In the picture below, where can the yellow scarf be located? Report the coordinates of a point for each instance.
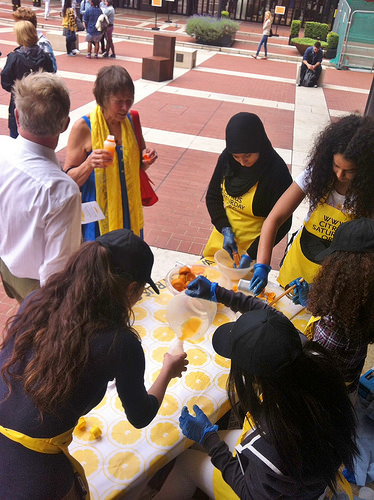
(50, 446)
(107, 180)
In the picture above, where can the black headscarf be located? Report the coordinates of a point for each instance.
(245, 133)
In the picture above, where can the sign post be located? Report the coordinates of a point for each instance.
(156, 4)
(168, 19)
(279, 11)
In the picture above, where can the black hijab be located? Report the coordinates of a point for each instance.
(245, 133)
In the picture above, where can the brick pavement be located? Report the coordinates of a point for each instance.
(197, 102)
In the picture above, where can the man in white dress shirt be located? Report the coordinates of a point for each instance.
(40, 206)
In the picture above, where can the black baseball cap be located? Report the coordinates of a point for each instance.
(261, 342)
(353, 236)
(130, 255)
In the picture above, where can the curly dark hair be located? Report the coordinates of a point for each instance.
(353, 137)
(344, 291)
(58, 322)
(305, 412)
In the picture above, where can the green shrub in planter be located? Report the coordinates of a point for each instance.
(318, 31)
(208, 29)
(332, 40)
(303, 43)
(295, 28)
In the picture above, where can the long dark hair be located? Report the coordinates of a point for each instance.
(344, 291)
(305, 413)
(353, 137)
(52, 333)
(67, 5)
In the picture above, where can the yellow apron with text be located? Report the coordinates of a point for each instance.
(50, 446)
(222, 491)
(245, 226)
(322, 223)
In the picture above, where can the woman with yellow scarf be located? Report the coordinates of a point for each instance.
(113, 183)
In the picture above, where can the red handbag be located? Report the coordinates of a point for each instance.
(149, 197)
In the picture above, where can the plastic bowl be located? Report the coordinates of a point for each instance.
(182, 309)
(225, 263)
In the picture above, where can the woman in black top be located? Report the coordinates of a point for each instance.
(68, 340)
(248, 179)
(26, 58)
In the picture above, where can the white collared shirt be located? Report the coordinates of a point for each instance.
(40, 210)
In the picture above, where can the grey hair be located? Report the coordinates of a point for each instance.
(43, 103)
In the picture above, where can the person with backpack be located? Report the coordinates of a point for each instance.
(25, 59)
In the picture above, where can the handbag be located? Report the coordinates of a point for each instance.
(308, 80)
(80, 25)
(271, 32)
(149, 197)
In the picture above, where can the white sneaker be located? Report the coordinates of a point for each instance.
(75, 51)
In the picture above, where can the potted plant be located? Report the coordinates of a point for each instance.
(212, 31)
(303, 43)
(332, 45)
(294, 31)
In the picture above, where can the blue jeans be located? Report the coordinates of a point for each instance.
(264, 42)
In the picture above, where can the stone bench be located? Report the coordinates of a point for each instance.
(58, 41)
(320, 80)
(185, 58)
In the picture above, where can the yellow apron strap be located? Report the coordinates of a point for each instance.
(309, 329)
(343, 485)
(50, 446)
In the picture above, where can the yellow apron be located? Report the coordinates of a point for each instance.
(50, 446)
(322, 223)
(245, 225)
(309, 329)
(222, 490)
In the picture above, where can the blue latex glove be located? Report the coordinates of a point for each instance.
(300, 292)
(245, 261)
(229, 241)
(202, 288)
(260, 278)
(195, 428)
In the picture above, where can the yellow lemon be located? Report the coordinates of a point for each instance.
(140, 313)
(169, 406)
(141, 330)
(197, 380)
(203, 402)
(164, 434)
(224, 362)
(101, 404)
(190, 327)
(221, 381)
(123, 465)
(118, 405)
(163, 334)
(88, 459)
(125, 433)
(172, 382)
(160, 315)
(220, 319)
(163, 299)
(158, 353)
(196, 357)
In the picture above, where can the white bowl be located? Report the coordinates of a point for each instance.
(225, 263)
